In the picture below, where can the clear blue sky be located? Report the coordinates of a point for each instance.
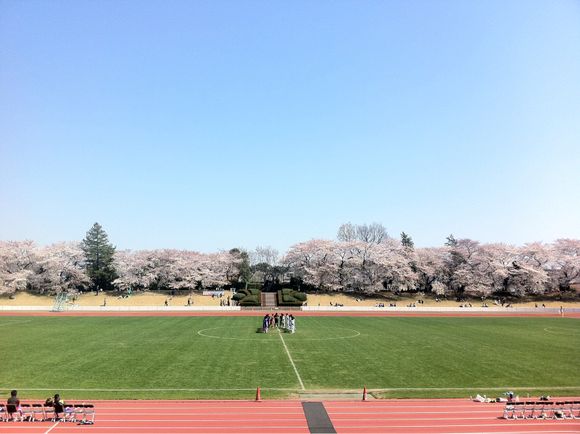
(206, 125)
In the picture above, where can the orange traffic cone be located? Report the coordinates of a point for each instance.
(258, 397)
(365, 393)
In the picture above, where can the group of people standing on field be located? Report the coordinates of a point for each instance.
(283, 321)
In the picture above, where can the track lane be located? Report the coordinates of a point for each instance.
(452, 416)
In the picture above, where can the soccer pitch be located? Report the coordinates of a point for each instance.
(226, 356)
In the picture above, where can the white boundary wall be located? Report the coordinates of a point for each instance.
(466, 310)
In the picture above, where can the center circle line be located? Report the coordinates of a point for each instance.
(204, 334)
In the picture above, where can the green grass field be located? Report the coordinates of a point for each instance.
(225, 357)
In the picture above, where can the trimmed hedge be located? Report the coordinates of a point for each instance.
(247, 297)
(238, 296)
(300, 296)
(290, 297)
(250, 300)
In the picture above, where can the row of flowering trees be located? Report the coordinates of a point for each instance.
(63, 267)
(461, 267)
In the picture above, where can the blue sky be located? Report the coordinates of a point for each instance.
(207, 125)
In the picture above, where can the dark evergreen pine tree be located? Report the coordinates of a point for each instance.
(99, 254)
(407, 241)
(245, 268)
(451, 241)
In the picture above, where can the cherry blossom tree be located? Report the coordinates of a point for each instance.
(59, 268)
(314, 262)
(567, 259)
(511, 273)
(17, 261)
(173, 269)
(355, 265)
(430, 266)
(467, 269)
(137, 270)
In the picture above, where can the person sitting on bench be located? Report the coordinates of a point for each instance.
(13, 406)
(58, 407)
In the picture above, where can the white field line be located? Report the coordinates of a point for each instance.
(51, 428)
(203, 333)
(477, 388)
(10, 323)
(342, 391)
(292, 362)
(151, 390)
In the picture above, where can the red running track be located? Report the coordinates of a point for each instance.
(452, 416)
(435, 416)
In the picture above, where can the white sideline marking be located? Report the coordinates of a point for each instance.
(51, 428)
(476, 387)
(378, 389)
(292, 361)
(9, 323)
(153, 390)
(562, 331)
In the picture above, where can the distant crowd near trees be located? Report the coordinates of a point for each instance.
(363, 259)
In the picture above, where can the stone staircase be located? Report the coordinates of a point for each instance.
(269, 299)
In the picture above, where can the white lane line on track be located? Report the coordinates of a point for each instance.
(478, 432)
(292, 361)
(51, 428)
(392, 429)
(172, 429)
(298, 417)
(336, 419)
(463, 425)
